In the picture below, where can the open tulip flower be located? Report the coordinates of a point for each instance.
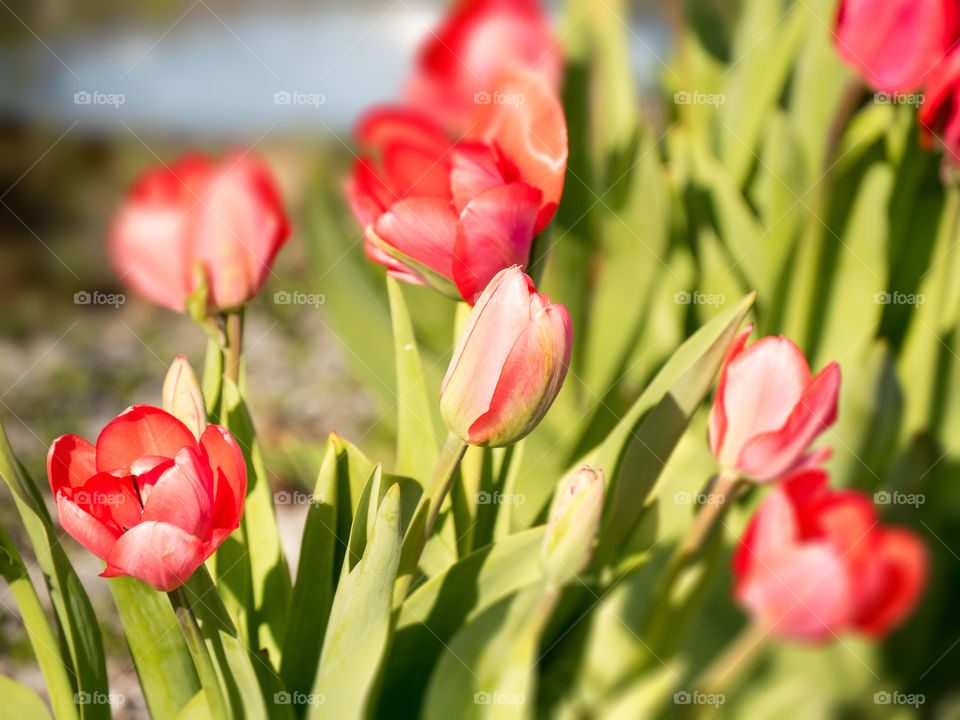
(897, 45)
(456, 70)
(149, 499)
(815, 562)
(451, 214)
(200, 220)
(768, 410)
(509, 365)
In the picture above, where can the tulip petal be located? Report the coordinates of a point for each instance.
(71, 461)
(183, 495)
(223, 455)
(771, 531)
(904, 567)
(718, 419)
(157, 553)
(771, 455)
(86, 529)
(110, 499)
(137, 431)
(495, 232)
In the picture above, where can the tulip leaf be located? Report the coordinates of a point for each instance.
(634, 454)
(161, 656)
(42, 638)
(250, 563)
(433, 613)
(19, 701)
(416, 441)
(212, 379)
(361, 620)
(79, 628)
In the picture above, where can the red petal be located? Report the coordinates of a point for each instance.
(225, 459)
(86, 529)
(494, 232)
(904, 566)
(71, 461)
(137, 431)
(183, 495)
(161, 555)
(423, 229)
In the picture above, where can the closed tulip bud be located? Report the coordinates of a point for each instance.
(509, 364)
(200, 224)
(182, 397)
(574, 518)
(768, 410)
(149, 498)
(816, 562)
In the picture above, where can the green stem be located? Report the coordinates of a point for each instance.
(198, 650)
(427, 510)
(738, 657)
(234, 345)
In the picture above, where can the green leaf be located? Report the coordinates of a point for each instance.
(212, 379)
(416, 441)
(360, 621)
(78, 624)
(157, 647)
(20, 702)
(251, 566)
(42, 638)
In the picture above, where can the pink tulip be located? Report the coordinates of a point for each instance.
(479, 41)
(768, 410)
(509, 365)
(897, 45)
(222, 221)
(815, 562)
(450, 215)
(149, 499)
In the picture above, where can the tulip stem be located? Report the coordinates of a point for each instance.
(736, 659)
(198, 651)
(425, 515)
(234, 344)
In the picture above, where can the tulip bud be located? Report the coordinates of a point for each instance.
(182, 397)
(768, 410)
(509, 365)
(574, 518)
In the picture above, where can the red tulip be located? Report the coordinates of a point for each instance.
(815, 562)
(897, 45)
(767, 410)
(459, 65)
(940, 113)
(450, 215)
(220, 220)
(509, 365)
(149, 499)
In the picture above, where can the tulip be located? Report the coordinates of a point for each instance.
(897, 45)
(768, 410)
(149, 499)
(182, 396)
(450, 215)
(815, 562)
(456, 68)
(199, 222)
(939, 114)
(572, 526)
(509, 364)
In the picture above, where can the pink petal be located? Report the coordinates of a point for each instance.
(772, 530)
(474, 169)
(718, 419)
(494, 232)
(770, 455)
(183, 496)
(161, 555)
(86, 529)
(71, 461)
(421, 229)
(110, 499)
(223, 455)
(137, 431)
